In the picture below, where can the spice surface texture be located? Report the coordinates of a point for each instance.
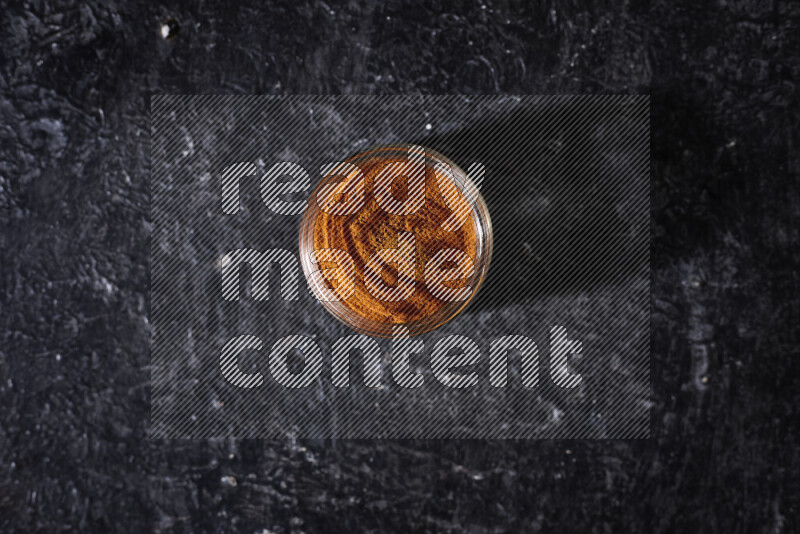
(423, 232)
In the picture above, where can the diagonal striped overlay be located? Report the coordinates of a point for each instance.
(555, 344)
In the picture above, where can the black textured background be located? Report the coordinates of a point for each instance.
(75, 81)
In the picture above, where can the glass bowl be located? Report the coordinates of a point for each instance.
(362, 320)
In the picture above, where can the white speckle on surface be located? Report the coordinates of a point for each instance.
(189, 146)
(103, 284)
(428, 126)
(557, 414)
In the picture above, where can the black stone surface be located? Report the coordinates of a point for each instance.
(75, 82)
